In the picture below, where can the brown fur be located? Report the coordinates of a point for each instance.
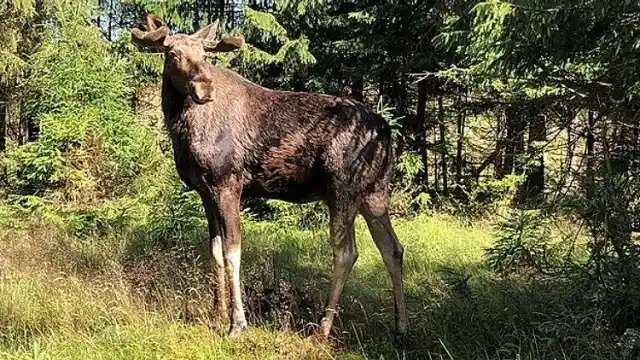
(234, 138)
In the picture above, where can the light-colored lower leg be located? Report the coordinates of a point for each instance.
(392, 254)
(227, 197)
(221, 284)
(238, 320)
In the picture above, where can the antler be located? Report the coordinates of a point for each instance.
(226, 43)
(153, 22)
(158, 31)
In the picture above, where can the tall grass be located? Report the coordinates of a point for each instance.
(127, 295)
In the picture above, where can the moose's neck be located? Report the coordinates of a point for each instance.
(173, 101)
(174, 96)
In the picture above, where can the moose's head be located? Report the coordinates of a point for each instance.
(185, 54)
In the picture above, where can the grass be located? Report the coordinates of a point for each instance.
(120, 295)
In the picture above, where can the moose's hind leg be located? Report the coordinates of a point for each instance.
(375, 211)
(345, 254)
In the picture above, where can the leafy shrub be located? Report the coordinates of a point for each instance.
(306, 216)
(521, 243)
(182, 217)
(493, 197)
(78, 91)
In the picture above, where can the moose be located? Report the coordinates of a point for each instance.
(233, 138)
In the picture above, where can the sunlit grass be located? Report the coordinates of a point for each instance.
(159, 339)
(63, 297)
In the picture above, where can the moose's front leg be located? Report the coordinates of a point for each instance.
(217, 257)
(228, 200)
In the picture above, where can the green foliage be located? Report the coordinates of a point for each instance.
(409, 164)
(262, 26)
(33, 168)
(306, 216)
(24, 7)
(494, 195)
(75, 59)
(521, 243)
(95, 293)
(78, 91)
(405, 201)
(271, 57)
(549, 47)
(95, 177)
(487, 31)
(386, 111)
(302, 7)
(14, 14)
(143, 67)
(182, 218)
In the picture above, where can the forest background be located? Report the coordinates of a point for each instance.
(515, 193)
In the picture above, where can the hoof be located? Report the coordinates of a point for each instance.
(236, 331)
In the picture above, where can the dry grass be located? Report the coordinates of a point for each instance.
(61, 298)
(125, 296)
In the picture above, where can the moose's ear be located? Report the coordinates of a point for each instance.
(207, 33)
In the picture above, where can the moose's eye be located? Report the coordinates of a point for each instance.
(175, 52)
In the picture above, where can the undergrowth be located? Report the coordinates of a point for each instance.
(137, 285)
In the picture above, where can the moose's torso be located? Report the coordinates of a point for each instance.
(296, 147)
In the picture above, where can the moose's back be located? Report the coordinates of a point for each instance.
(309, 146)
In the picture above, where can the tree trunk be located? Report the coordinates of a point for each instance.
(196, 23)
(436, 176)
(636, 136)
(590, 144)
(98, 16)
(498, 159)
(221, 4)
(33, 130)
(110, 24)
(534, 183)
(509, 148)
(519, 129)
(443, 147)
(23, 128)
(570, 148)
(357, 89)
(31, 39)
(515, 140)
(3, 125)
(421, 132)
(461, 119)
(398, 96)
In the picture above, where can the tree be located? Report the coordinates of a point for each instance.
(543, 60)
(25, 22)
